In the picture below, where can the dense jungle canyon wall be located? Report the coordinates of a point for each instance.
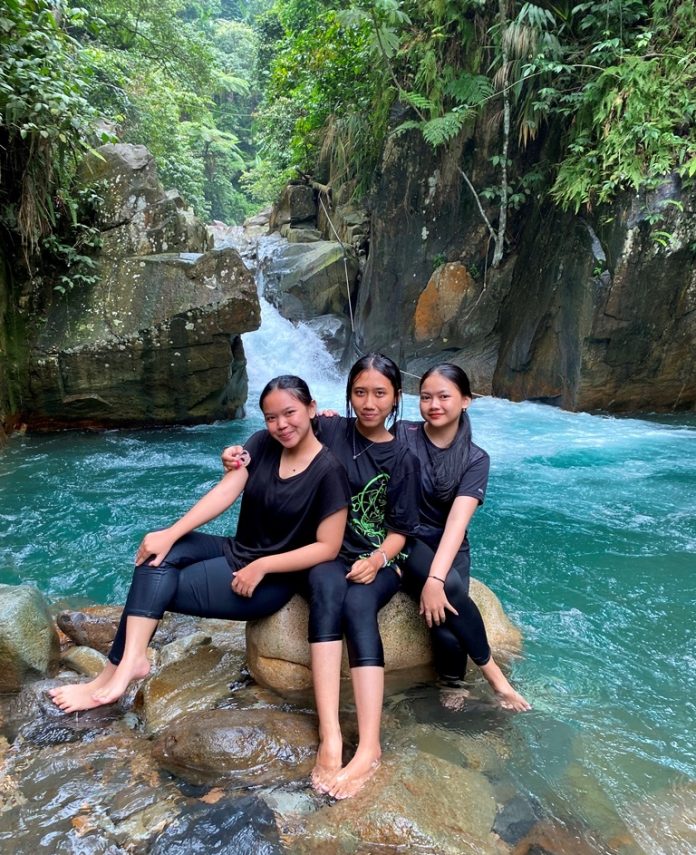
(586, 312)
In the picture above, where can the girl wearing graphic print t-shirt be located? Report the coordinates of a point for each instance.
(347, 593)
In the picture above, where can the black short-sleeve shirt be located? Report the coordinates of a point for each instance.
(280, 514)
(384, 485)
(474, 480)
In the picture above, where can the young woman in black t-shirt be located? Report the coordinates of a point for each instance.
(347, 593)
(454, 476)
(292, 516)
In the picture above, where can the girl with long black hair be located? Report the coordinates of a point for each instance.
(346, 593)
(454, 477)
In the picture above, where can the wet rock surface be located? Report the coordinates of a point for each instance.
(194, 677)
(243, 826)
(407, 806)
(28, 640)
(247, 746)
(305, 280)
(235, 778)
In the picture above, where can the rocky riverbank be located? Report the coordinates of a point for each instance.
(201, 758)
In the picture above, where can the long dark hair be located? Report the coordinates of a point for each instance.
(387, 368)
(449, 467)
(296, 386)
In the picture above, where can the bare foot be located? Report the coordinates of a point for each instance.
(80, 696)
(454, 699)
(122, 677)
(354, 776)
(508, 698)
(512, 700)
(329, 762)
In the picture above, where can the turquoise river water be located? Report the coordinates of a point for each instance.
(588, 537)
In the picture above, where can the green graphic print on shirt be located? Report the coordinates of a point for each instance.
(368, 509)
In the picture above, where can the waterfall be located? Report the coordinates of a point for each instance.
(280, 346)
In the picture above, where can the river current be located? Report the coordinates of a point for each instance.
(588, 536)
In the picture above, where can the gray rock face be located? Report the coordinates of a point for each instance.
(603, 317)
(304, 280)
(28, 639)
(157, 339)
(587, 313)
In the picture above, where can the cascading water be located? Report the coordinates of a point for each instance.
(281, 347)
(588, 535)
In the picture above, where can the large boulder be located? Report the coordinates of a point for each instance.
(278, 652)
(416, 801)
(192, 674)
(28, 640)
(296, 205)
(156, 338)
(136, 215)
(303, 280)
(156, 341)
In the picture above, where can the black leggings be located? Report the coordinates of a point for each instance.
(460, 635)
(338, 607)
(195, 579)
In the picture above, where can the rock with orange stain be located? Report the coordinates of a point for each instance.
(441, 301)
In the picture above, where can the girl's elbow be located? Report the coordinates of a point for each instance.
(332, 550)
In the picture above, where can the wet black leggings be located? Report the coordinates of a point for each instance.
(194, 579)
(338, 607)
(461, 635)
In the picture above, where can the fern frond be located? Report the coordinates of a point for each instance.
(470, 89)
(444, 128)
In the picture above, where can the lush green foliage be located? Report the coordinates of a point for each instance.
(175, 77)
(617, 75)
(233, 96)
(325, 105)
(45, 120)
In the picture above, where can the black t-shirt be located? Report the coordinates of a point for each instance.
(474, 480)
(384, 485)
(280, 514)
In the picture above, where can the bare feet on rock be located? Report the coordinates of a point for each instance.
(354, 776)
(329, 762)
(80, 696)
(123, 676)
